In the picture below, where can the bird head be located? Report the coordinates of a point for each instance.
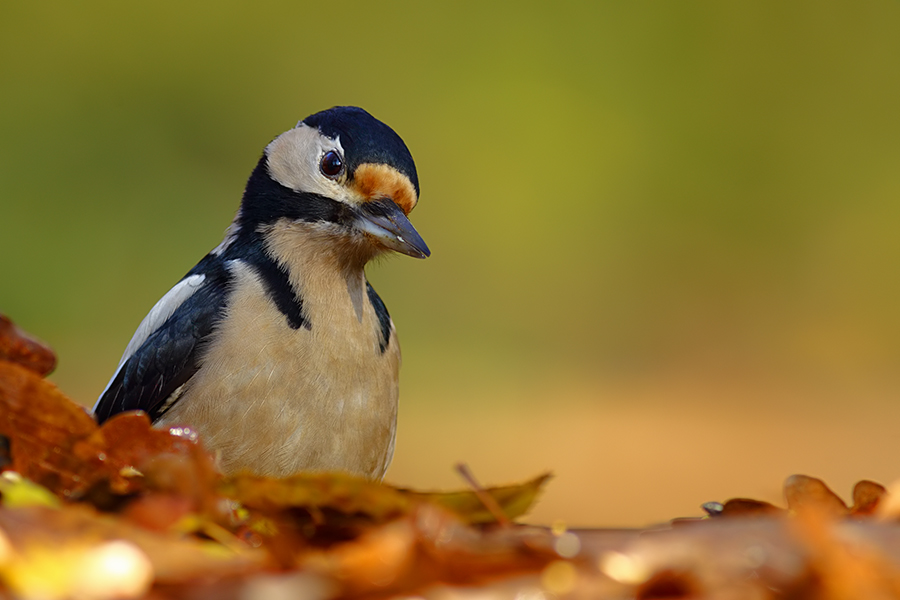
(346, 173)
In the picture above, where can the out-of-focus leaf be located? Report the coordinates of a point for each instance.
(160, 512)
(18, 492)
(41, 425)
(319, 509)
(18, 347)
(427, 545)
(804, 493)
(384, 556)
(339, 492)
(670, 583)
(514, 500)
(91, 571)
(165, 462)
(353, 495)
(840, 569)
(867, 496)
(808, 494)
(745, 507)
(72, 527)
(56, 444)
(889, 506)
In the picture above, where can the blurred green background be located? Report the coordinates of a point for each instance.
(665, 234)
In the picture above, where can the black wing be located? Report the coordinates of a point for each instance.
(171, 354)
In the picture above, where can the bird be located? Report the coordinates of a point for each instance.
(275, 349)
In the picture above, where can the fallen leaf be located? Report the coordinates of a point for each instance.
(514, 500)
(42, 424)
(340, 492)
(34, 531)
(352, 495)
(745, 507)
(843, 567)
(804, 493)
(429, 545)
(867, 496)
(17, 492)
(18, 347)
(56, 444)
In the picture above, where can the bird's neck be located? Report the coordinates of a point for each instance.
(324, 265)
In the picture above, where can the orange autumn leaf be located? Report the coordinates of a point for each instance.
(18, 347)
(804, 493)
(56, 443)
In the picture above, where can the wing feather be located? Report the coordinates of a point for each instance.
(167, 347)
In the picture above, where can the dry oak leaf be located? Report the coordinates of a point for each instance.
(42, 425)
(18, 347)
(56, 443)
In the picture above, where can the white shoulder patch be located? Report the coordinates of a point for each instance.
(158, 315)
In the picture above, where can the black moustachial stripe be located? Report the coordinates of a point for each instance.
(383, 317)
(266, 201)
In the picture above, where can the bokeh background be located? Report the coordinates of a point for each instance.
(665, 234)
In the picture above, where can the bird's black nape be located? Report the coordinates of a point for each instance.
(365, 139)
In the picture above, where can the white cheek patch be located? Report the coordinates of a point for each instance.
(293, 160)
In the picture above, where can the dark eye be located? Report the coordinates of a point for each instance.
(332, 164)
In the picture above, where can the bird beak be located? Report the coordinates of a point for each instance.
(386, 222)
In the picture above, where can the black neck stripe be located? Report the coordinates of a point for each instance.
(280, 290)
(249, 248)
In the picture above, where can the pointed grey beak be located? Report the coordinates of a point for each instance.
(385, 221)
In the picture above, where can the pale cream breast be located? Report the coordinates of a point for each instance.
(276, 400)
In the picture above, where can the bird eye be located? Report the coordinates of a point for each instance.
(331, 164)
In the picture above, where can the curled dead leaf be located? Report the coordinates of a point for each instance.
(352, 495)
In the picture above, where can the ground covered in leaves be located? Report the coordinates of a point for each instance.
(126, 511)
